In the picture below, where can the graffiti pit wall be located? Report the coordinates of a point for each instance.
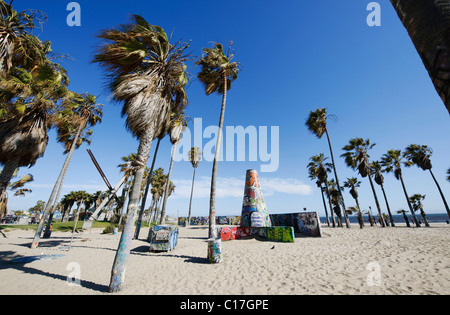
(220, 220)
(275, 233)
(304, 223)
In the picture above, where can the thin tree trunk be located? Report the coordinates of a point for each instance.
(424, 216)
(166, 193)
(75, 225)
(212, 202)
(55, 203)
(376, 200)
(347, 222)
(144, 198)
(190, 202)
(331, 206)
(406, 219)
(442, 195)
(409, 203)
(123, 251)
(387, 205)
(7, 173)
(37, 235)
(360, 216)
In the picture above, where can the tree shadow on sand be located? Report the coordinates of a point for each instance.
(6, 262)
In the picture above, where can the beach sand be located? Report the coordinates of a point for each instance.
(374, 260)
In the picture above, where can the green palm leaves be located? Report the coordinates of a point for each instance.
(217, 69)
(146, 72)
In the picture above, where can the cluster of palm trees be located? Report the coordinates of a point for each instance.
(148, 74)
(34, 97)
(357, 157)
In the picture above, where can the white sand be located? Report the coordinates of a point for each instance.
(409, 261)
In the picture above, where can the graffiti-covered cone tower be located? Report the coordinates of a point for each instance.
(254, 210)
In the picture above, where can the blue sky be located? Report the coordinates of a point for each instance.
(297, 56)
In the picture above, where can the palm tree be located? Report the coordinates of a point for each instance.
(353, 183)
(80, 198)
(177, 126)
(335, 197)
(67, 203)
(357, 157)
(317, 124)
(149, 76)
(428, 25)
(313, 175)
(30, 100)
(217, 73)
(16, 35)
(158, 180)
(320, 169)
(416, 201)
(404, 217)
(82, 112)
(391, 161)
(379, 179)
(420, 155)
(195, 156)
(19, 191)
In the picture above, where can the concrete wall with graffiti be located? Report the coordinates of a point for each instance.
(304, 223)
(220, 220)
(275, 233)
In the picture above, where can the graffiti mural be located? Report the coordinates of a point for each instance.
(304, 223)
(163, 238)
(254, 203)
(220, 220)
(275, 233)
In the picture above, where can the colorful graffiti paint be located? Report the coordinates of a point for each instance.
(304, 223)
(220, 220)
(215, 251)
(254, 203)
(233, 233)
(163, 238)
(275, 233)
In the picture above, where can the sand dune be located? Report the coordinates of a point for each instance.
(344, 261)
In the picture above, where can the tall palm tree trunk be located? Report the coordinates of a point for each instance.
(360, 216)
(144, 198)
(347, 222)
(7, 173)
(409, 203)
(123, 251)
(428, 25)
(166, 193)
(376, 200)
(442, 195)
(324, 205)
(190, 201)
(387, 206)
(37, 235)
(333, 220)
(212, 202)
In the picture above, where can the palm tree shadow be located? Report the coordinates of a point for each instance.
(188, 259)
(7, 263)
